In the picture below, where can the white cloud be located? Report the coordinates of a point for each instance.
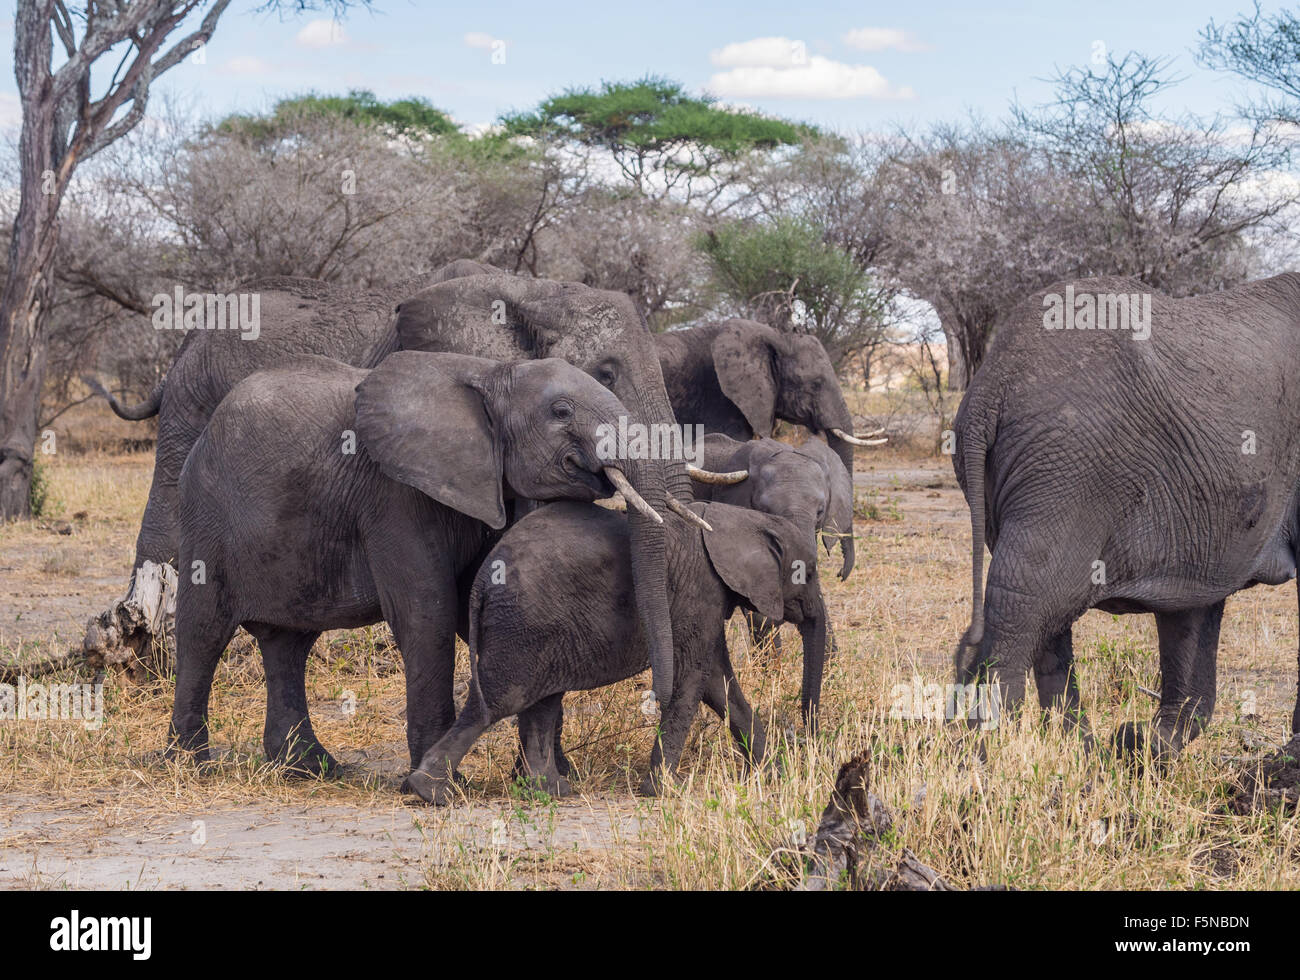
(818, 78)
(321, 33)
(882, 39)
(761, 52)
(246, 64)
(477, 39)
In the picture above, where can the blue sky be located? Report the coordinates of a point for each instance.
(845, 66)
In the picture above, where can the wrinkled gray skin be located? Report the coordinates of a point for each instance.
(464, 308)
(298, 316)
(561, 621)
(738, 377)
(808, 486)
(298, 536)
(1081, 446)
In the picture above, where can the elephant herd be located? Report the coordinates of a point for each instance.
(383, 456)
(386, 455)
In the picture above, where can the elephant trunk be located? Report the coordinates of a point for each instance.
(813, 633)
(844, 451)
(659, 481)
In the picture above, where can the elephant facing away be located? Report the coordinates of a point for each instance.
(738, 377)
(322, 496)
(1149, 464)
(549, 613)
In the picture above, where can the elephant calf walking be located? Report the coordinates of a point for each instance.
(552, 611)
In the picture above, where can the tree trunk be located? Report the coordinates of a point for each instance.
(958, 369)
(24, 306)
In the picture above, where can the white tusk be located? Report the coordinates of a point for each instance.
(616, 502)
(630, 495)
(873, 432)
(716, 479)
(855, 441)
(686, 514)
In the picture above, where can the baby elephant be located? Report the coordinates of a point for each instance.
(553, 610)
(807, 485)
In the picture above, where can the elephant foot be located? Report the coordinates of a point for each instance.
(1131, 740)
(654, 783)
(185, 749)
(553, 784)
(435, 790)
(306, 761)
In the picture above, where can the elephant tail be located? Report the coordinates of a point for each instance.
(974, 451)
(147, 409)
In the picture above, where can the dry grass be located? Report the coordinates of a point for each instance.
(1037, 813)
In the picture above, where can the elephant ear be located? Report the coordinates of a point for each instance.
(747, 553)
(423, 419)
(743, 361)
(839, 488)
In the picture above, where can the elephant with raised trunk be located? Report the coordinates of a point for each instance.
(463, 311)
(322, 496)
(548, 614)
(1124, 451)
(738, 377)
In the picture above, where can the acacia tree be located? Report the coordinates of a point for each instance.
(64, 124)
(665, 142)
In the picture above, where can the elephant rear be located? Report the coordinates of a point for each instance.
(553, 608)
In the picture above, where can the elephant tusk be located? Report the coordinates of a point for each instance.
(855, 440)
(630, 495)
(873, 432)
(686, 514)
(716, 479)
(616, 502)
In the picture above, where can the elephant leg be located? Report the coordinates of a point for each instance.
(539, 728)
(435, 775)
(723, 695)
(1058, 682)
(1189, 647)
(420, 608)
(288, 737)
(202, 635)
(674, 725)
(1024, 605)
(562, 765)
(1295, 714)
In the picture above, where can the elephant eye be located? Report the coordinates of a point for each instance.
(562, 410)
(607, 374)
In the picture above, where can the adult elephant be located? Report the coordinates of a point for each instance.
(322, 496)
(738, 377)
(489, 315)
(297, 316)
(1125, 451)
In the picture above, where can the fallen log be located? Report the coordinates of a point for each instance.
(132, 634)
(850, 849)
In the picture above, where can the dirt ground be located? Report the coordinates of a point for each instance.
(84, 808)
